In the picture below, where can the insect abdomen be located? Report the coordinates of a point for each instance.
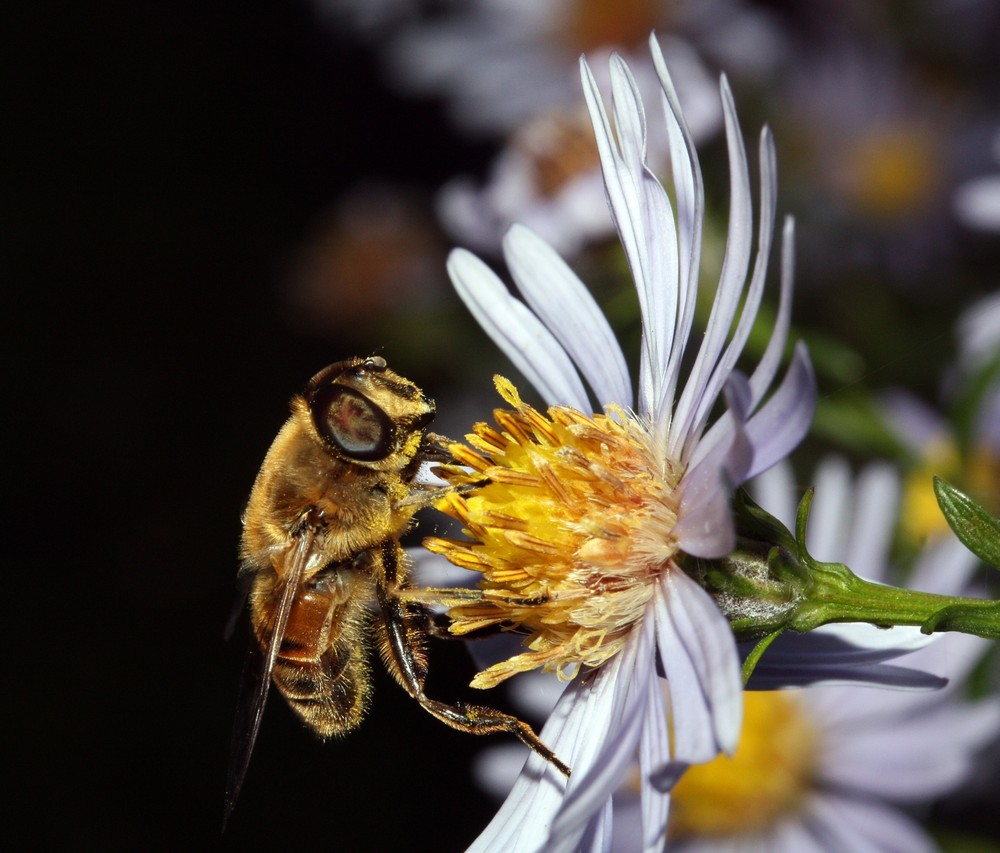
(321, 668)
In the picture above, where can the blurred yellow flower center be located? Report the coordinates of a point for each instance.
(921, 517)
(591, 25)
(571, 530)
(766, 779)
(894, 171)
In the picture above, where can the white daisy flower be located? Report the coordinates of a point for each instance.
(820, 768)
(578, 529)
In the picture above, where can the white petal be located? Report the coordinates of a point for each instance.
(643, 218)
(565, 306)
(525, 341)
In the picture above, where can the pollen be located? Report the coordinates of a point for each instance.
(569, 518)
(768, 777)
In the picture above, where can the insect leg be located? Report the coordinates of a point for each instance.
(402, 650)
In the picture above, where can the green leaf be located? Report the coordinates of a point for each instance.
(973, 525)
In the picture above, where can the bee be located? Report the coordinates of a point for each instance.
(321, 546)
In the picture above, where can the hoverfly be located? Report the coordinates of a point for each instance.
(321, 545)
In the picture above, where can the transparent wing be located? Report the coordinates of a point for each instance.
(256, 680)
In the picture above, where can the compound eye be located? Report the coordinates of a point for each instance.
(353, 424)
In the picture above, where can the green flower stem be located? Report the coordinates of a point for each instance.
(770, 583)
(838, 595)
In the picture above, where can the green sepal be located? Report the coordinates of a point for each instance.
(973, 525)
(752, 659)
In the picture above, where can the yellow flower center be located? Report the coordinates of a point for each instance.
(921, 517)
(571, 527)
(766, 779)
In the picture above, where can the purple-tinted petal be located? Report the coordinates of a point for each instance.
(690, 197)
(496, 768)
(708, 376)
(920, 753)
(593, 783)
(600, 828)
(705, 524)
(843, 823)
(783, 421)
(767, 368)
(643, 218)
(654, 754)
(565, 306)
(850, 653)
(874, 521)
(524, 340)
(945, 567)
(699, 660)
(830, 513)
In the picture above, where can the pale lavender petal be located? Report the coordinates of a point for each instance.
(700, 663)
(849, 824)
(830, 512)
(536, 693)
(638, 202)
(705, 381)
(875, 507)
(658, 240)
(594, 781)
(524, 340)
(849, 653)
(776, 491)
(433, 570)
(847, 642)
(599, 835)
(767, 367)
(524, 819)
(875, 675)
(690, 197)
(565, 306)
(917, 755)
(783, 421)
(792, 835)
(945, 567)
(654, 754)
(705, 523)
(496, 768)
(628, 823)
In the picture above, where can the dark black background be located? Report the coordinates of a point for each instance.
(165, 160)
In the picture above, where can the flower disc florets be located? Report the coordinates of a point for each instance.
(571, 530)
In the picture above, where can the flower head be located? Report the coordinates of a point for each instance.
(577, 527)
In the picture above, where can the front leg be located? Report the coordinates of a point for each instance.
(405, 629)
